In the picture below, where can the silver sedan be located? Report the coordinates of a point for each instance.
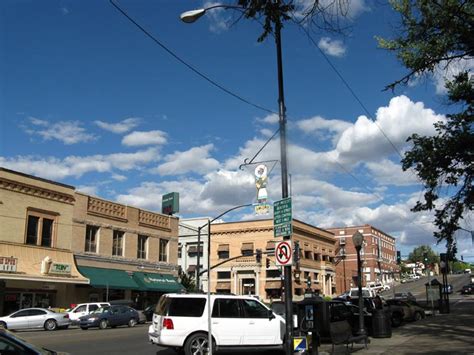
(35, 318)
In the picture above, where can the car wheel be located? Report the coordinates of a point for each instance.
(197, 344)
(132, 322)
(417, 316)
(50, 324)
(103, 324)
(396, 319)
(3, 325)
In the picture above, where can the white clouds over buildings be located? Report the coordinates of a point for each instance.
(67, 132)
(196, 160)
(139, 138)
(119, 127)
(334, 48)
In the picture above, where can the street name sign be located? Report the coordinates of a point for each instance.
(284, 253)
(282, 218)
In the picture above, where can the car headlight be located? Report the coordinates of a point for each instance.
(93, 318)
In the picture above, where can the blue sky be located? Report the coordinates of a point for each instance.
(89, 100)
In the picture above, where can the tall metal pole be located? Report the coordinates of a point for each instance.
(361, 330)
(209, 306)
(198, 262)
(284, 187)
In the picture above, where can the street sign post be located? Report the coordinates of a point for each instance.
(284, 253)
(282, 218)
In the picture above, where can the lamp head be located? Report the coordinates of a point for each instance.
(357, 239)
(192, 15)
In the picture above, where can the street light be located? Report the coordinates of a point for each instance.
(358, 240)
(190, 17)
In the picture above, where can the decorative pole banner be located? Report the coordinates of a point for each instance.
(261, 178)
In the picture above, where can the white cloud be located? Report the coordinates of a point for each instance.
(68, 132)
(195, 159)
(332, 47)
(320, 127)
(138, 138)
(54, 168)
(218, 18)
(118, 177)
(88, 190)
(446, 72)
(119, 127)
(272, 118)
(386, 172)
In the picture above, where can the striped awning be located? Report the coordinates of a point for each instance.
(223, 286)
(223, 247)
(270, 245)
(272, 285)
(247, 246)
(191, 268)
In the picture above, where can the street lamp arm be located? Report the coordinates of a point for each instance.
(194, 15)
(227, 211)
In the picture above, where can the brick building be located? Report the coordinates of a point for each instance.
(378, 255)
(246, 276)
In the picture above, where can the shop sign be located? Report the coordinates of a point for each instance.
(8, 264)
(60, 269)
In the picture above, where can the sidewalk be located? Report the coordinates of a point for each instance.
(451, 333)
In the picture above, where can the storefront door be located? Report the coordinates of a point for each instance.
(26, 300)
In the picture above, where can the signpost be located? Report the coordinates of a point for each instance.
(282, 218)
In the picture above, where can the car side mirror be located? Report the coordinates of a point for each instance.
(271, 315)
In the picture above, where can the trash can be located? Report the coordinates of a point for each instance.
(381, 325)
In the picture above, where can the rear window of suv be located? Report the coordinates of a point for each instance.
(181, 306)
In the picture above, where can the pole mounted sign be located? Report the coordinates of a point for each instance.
(282, 218)
(284, 253)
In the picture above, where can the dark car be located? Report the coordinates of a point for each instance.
(468, 289)
(112, 316)
(12, 344)
(412, 311)
(406, 296)
(148, 312)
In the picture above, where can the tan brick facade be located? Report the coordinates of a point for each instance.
(245, 275)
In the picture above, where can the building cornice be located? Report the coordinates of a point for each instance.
(36, 191)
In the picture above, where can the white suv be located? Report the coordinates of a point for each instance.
(181, 321)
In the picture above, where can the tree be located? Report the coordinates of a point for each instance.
(417, 255)
(439, 34)
(187, 281)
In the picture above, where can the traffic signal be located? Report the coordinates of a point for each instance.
(425, 257)
(258, 256)
(267, 263)
(462, 258)
(296, 252)
(399, 257)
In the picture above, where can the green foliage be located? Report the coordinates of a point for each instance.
(460, 266)
(417, 255)
(187, 281)
(434, 35)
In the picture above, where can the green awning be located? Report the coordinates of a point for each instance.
(108, 278)
(157, 282)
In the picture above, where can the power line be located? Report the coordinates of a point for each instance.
(185, 63)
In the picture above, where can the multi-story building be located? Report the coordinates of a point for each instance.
(245, 275)
(190, 231)
(58, 247)
(378, 255)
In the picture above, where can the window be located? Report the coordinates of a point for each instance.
(142, 246)
(226, 308)
(223, 274)
(36, 312)
(117, 243)
(253, 309)
(40, 228)
(25, 313)
(91, 239)
(273, 273)
(93, 307)
(247, 249)
(180, 247)
(163, 256)
(223, 251)
(186, 307)
(80, 309)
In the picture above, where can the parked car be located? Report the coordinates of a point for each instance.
(366, 292)
(83, 309)
(112, 316)
(407, 296)
(468, 289)
(13, 344)
(180, 321)
(148, 312)
(131, 304)
(29, 318)
(412, 311)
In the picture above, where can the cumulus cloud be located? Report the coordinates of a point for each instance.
(272, 118)
(320, 127)
(219, 19)
(68, 132)
(138, 138)
(196, 160)
(119, 127)
(387, 172)
(334, 48)
(76, 166)
(445, 71)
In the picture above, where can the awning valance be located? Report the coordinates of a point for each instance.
(194, 249)
(272, 285)
(157, 282)
(191, 268)
(247, 246)
(223, 286)
(270, 245)
(35, 263)
(109, 278)
(223, 247)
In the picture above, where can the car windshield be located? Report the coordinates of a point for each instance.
(22, 341)
(355, 293)
(101, 310)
